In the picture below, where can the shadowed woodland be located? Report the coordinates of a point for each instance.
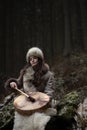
(59, 28)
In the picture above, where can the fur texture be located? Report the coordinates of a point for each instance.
(36, 121)
(34, 51)
(42, 121)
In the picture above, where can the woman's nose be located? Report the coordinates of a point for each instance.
(32, 59)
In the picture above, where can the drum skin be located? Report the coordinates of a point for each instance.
(26, 107)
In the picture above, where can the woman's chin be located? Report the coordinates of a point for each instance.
(34, 65)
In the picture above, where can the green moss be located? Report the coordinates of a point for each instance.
(68, 105)
(6, 114)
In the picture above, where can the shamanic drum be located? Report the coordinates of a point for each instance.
(26, 107)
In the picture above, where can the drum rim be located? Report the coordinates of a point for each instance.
(29, 112)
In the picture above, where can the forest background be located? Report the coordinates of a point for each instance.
(58, 27)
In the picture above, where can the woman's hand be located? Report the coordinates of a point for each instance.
(13, 85)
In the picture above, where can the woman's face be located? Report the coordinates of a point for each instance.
(33, 60)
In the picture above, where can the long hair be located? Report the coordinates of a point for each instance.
(40, 69)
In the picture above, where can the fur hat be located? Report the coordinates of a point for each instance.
(34, 51)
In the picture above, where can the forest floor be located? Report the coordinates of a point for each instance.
(71, 73)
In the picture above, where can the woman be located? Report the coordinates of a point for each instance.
(35, 76)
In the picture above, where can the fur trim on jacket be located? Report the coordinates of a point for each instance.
(27, 81)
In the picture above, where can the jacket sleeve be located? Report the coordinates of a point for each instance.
(50, 86)
(18, 81)
(7, 84)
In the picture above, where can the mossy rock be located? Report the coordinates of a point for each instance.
(68, 105)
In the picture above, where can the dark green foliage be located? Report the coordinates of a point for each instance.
(6, 114)
(68, 105)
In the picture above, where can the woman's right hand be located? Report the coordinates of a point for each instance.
(13, 85)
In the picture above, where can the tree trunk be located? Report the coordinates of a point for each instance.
(67, 30)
